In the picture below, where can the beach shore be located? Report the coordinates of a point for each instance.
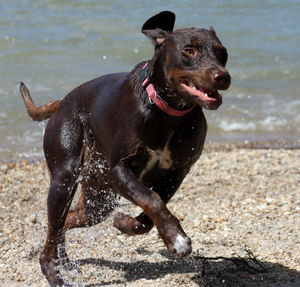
(237, 202)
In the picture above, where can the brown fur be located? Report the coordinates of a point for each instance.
(106, 136)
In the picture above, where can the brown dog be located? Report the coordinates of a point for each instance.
(133, 134)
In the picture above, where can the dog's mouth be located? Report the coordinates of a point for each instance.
(209, 99)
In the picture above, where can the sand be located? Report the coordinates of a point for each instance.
(236, 202)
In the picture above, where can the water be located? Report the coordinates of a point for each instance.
(55, 45)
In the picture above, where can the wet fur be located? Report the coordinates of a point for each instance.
(106, 136)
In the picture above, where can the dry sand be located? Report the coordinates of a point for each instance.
(234, 199)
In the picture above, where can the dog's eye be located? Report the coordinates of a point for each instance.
(188, 52)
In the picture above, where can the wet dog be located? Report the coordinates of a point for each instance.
(132, 134)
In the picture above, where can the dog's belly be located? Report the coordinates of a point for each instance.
(158, 159)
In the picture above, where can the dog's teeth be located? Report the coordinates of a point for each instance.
(192, 85)
(205, 95)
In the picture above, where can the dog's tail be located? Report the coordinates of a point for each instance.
(41, 113)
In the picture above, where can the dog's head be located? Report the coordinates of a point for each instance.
(193, 60)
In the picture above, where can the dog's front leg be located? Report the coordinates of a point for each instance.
(165, 187)
(126, 184)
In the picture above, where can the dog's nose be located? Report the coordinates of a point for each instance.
(222, 79)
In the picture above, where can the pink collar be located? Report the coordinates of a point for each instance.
(154, 98)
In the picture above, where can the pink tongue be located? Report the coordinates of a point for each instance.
(197, 93)
(207, 102)
(192, 91)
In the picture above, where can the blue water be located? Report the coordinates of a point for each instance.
(53, 46)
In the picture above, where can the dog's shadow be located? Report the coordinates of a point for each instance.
(205, 272)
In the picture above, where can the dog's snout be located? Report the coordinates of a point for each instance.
(222, 79)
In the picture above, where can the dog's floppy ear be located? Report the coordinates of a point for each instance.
(158, 26)
(164, 20)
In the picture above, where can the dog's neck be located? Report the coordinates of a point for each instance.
(160, 93)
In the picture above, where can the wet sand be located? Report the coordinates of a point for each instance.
(237, 201)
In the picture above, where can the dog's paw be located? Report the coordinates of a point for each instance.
(129, 225)
(175, 239)
(181, 247)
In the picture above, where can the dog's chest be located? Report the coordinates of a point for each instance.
(157, 159)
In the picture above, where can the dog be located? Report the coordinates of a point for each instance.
(134, 135)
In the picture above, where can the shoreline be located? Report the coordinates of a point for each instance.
(235, 196)
(208, 146)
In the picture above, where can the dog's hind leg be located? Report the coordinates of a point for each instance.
(77, 216)
(97, 199)
(62, 146)
(93, 207)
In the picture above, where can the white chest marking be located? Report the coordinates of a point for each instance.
(162, 157)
